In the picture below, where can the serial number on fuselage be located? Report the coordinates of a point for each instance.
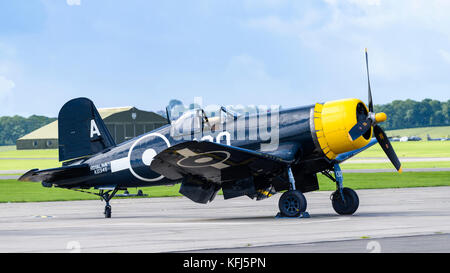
(100, 168)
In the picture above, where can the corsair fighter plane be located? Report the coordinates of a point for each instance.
(210, 156)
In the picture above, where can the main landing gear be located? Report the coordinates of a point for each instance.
(107, 196)
(292, 203)
(345, 201)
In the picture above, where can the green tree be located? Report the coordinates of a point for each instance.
(410, 113)
(13, 128)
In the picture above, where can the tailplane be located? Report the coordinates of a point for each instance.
(81, 130)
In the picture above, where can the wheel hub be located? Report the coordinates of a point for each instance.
(292, 205)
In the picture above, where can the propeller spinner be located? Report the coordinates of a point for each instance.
(371, 119)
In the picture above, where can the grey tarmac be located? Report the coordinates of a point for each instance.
(7, 177)
(436, 243)
(28, 158)
(12, 171)
(177, 224)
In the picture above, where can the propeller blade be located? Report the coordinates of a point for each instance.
(387, 147)
(368, 83)
(360, 128)
(167, 115)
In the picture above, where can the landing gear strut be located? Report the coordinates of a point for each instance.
(107, 196)
(345, 201)
(292, 203)
(104, 195)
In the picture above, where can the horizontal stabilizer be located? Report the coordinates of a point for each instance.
(63, 175)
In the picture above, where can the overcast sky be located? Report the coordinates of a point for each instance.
(144, 53)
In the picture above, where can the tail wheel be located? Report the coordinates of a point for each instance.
(292, 203)
(347, 206)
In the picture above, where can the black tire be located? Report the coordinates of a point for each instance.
(292, 203)
(108, 212)
(140, 193)
(350, 205)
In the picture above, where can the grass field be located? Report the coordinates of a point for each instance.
(12, 159)
(389, 180)
(11, 152)
(412, 149)
(388, 165)
(16, 191)
(434, 132)
(26, 164)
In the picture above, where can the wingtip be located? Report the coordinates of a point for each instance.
(365, 49)
(400, 170)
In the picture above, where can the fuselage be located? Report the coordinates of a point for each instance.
(311, 136)
(128, 164)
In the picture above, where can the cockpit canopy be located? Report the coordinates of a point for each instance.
(196, 120)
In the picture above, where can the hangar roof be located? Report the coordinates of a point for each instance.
(50, 131)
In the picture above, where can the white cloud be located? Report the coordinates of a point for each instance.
(73, 2)
(431, 15)
(407, 41)
(397, 30)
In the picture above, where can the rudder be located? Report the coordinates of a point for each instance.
(81, 130)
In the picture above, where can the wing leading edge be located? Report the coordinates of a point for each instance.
(344, 156)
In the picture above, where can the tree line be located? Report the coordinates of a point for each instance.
(412, 114)
(13, 128)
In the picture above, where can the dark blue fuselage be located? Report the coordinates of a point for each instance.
(128, 164)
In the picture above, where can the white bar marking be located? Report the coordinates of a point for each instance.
(120, 164)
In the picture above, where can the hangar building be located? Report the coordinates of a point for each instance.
(123, 123)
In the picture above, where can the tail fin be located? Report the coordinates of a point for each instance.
(81, 130)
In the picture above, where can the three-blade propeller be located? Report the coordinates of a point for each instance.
(365, 121)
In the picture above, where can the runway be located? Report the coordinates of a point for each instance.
(237, 225)
(436, 243)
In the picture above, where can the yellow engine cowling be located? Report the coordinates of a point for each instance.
(332, 123)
